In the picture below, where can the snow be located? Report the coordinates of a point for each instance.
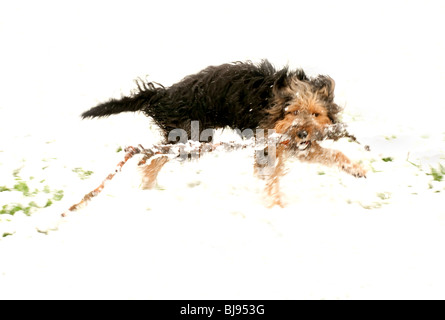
(205, 231)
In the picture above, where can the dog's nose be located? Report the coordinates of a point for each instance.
(302, 134)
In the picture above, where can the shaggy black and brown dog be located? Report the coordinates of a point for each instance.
(244, 95)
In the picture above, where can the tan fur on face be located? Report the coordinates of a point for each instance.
(300, 107)
(306, 110)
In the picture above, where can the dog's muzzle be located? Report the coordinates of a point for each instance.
(302, 134)
(304, 145)
(296, 145)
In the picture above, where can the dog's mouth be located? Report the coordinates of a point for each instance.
(304, 145)
(295, 144)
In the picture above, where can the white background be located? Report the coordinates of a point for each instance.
(205, 233)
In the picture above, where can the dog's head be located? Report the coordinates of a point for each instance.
(308, 110)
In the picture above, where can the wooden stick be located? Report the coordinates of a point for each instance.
(130, 152)
(170, 151)
(161, 154)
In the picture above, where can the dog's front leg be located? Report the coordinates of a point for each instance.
(331, 157)
(273, 179)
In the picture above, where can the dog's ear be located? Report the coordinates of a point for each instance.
(284, 79)
(282, 88)
(324, 86)
(281, 80)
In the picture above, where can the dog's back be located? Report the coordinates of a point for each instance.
(236, 95)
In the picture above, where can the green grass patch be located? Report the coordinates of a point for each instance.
(58, 195)
(48, 203)
(82, 174)
(3, 188)
(390, 137)
(437, 173)
(27, 205)
(15, 207)
(22, 187)
(384, 195)
(370, 206)
(388, 159)
(16, 173)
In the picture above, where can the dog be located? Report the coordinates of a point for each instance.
(299, 111)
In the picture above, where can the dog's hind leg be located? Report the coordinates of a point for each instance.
(151, 170)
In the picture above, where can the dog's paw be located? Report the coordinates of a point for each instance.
(356, 170)
(276, 201)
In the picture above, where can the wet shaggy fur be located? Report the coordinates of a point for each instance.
(238, 95)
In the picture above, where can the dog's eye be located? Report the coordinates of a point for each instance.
(296, 112)
(316, 115)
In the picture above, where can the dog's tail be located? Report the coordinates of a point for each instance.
(134, 103)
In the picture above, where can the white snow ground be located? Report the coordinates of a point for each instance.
(204, 232)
